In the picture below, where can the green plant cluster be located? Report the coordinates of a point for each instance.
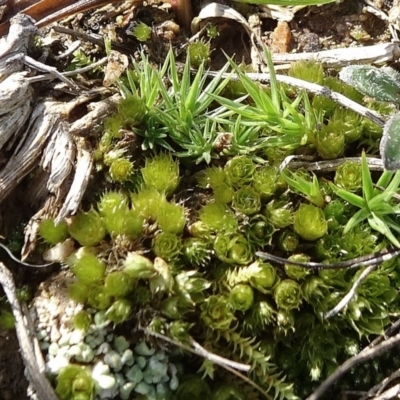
(178, 240)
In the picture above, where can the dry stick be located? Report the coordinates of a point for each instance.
(346, 299)
(380, 387)
(374, 164)
(363, 356)
(38, 380)
(201, 351)
(221, 361)
(390, 394)
(363, 261)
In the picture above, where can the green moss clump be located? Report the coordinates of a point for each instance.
(161, 173)
(53, 233)
(75, 383)
(118, 284)
(86, 266)
(87, 228)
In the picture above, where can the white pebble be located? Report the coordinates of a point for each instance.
(77, 336)
(53, 349)
(126, 390)
(86, 353)
(127, 357)
(113, 359)
(64, 339)
(55, 334)
(100, 369)
(106, 382)
(55, 365)
(103, 348)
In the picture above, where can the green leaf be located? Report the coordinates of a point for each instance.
(367, 184)
(383, 84)
(390, 143)
(380, 225)
(351, 198)
(358, 217)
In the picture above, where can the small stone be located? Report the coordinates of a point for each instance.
(106, 382)
(100, 369)
(53, 349)
(55, 365)
(113, 360)
(42, 335)
(77, 336)
(126, 390)
(86, 354)
(134, 375)
(143, 350)
(64, 339)
(141, 362)
(127, 357)
(174, 383)
(74, 350)
(103, 348)
(55, 334)
(142, 388)
(110, 337)
(120, 379)
(121, 344)
(281, 38)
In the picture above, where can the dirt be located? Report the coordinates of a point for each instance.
(313, 29)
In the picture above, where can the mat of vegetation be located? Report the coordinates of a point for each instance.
(238, 236)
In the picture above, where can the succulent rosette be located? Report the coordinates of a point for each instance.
(53, 233)
(265, 181)
(240, 171)
(297, 272)
(233, 249)
(217, 313)
(197, 251)
(279, 214)
(227, 392)
(288, 295)
(288, 240)
(87, 228)
(75, 383)
(241, 297)
(161, 173)
(167, 246)
(331, 140)
(348, 176)
(262, 276)
(350, 123)
(309, 222)
(260, 230)
(246, 200)
(121, 169)
(218, 217)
